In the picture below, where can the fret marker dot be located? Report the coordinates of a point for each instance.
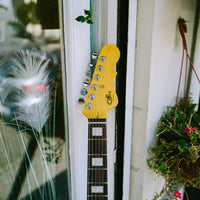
(97, 131)
(96, 189)
(97, 162)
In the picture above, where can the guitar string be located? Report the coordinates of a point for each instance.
(94, 150)
(104, 143)
(99, 142)
(102, 139)
(90, 151)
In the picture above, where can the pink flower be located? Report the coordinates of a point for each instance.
(177, 194)
(187, 130)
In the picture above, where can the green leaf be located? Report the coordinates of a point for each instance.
(81, 19)
(89, 21)
(87, 12)
(88, 18)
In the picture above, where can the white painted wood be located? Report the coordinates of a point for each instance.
(77, 55)
(156, 73)
(129, 96)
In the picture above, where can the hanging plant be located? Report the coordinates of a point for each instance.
(88, 15)
(176, 155)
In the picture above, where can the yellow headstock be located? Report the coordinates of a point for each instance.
(101, 95)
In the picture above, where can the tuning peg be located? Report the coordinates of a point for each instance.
(94, 55)
(84, 91)
(88, 106)
(81, 100)
(88, 73)
(102, 58)
(94, 87)
(100, 68)
(86, 82)
(97, 77)
(91, 96)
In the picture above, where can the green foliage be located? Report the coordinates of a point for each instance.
(26, 13)
(176, 153)
(87, 18)
(88, 15)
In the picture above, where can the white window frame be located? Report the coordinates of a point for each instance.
(77, 45)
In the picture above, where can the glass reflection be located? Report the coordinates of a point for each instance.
(33, 153)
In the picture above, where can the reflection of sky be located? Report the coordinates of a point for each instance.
(7, 3)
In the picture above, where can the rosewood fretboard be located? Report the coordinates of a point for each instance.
(97, 188)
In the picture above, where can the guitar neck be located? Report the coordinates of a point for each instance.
(97, 188)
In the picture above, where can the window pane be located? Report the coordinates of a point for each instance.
(33, 147)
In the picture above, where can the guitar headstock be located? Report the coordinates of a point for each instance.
(101, 94)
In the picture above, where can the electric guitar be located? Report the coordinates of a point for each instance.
(100, 99)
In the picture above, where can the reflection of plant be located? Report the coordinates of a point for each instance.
(176, 154)
(88, 15)
(26, 12)
(3, 7)
(26, 87)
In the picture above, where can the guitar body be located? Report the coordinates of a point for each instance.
(100, 99)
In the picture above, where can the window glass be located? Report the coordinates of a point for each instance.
(33, 147)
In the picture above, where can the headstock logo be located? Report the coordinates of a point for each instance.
(109, 98)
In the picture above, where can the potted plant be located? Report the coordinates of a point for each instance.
(176, 156)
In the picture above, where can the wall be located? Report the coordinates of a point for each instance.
(157, 67)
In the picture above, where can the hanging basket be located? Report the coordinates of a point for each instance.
(176, 155)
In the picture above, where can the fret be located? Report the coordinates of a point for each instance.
(97, 139)
(97, 123)
(96, 120)
(97, 197)
(97, 183)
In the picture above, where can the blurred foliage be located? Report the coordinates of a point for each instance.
(26, 12)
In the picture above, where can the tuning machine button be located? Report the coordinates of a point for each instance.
(88, 73)
(88, 106)
(84, 91)
(86, 82)
(94, 55)
(81, 100)
(102, 58)
(91, 96)
(100, 68)
(97, 77)
(94, 87)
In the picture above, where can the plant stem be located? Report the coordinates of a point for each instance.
(172, 129)
(91, 4)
